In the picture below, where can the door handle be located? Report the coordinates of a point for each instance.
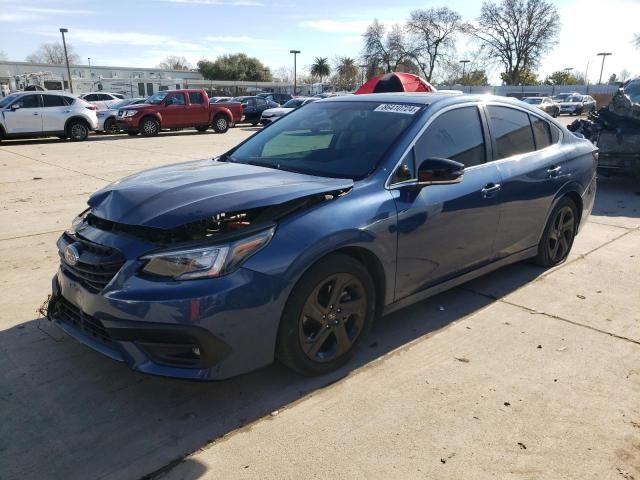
(67, 111)
(36, 113)
(554, 171)
(490, 189)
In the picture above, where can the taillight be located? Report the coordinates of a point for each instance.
(92, 107)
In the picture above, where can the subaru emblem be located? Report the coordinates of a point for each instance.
(71, 255)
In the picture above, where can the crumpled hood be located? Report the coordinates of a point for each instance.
(170, 196)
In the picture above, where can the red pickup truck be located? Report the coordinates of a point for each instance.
(171, 109)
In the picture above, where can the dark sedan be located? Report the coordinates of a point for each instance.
(289, 245)
(253, 108)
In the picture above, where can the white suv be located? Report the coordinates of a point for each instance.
(42, 114)
(102, 100)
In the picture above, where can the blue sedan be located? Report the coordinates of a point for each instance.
(289, 245)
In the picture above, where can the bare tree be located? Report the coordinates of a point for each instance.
(433, 34)
(53, 53)
(384, 50)
(282, 74)
(636, 40)
(174, 62)
(3, 55)
(517, 33)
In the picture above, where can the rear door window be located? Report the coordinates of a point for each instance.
(196, 98)
(53, 101)
(455, 135)
(512, 131)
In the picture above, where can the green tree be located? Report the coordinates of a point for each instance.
(346, 77)
(237, 66)
(3, 55)
(517, 33)
(320, 68)
(562, 77)
(525, 77)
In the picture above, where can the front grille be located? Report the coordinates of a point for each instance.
(66, 312)
(96, 265)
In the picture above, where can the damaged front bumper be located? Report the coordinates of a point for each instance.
(199, 338)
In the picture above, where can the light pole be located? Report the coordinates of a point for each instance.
(295, 78)
(66, 57)
(464, 65)
(89, 60)
(603, 55)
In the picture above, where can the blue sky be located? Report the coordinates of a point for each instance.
(142, 32)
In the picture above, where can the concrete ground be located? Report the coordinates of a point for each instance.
(520, 374)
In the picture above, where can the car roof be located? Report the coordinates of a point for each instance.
(432, 98)
(42, 92)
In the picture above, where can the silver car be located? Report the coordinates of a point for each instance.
(46, 114)
(578, 104)
(107, 118)
(273, 114)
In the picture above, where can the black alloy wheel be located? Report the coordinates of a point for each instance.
(78, 131)
(558, 236)
(329, 311)
(332, 318)
(149, 127)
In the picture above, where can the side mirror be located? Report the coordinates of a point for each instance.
(440, 171)
(15, 106)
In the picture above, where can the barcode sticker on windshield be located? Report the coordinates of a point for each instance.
(397, 108)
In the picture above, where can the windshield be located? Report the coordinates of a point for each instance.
(562, 97)
(329, 139)
(533, 101)
(575, 98)
(633, 90)
(7, 100)
(293, 103)
(157, 98)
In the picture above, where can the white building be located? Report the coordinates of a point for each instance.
(131, 82)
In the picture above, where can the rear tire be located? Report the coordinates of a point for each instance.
(77, 131)
(328, 313)
(220, 124)
(149, 127)
(254, 124)
(559, 233)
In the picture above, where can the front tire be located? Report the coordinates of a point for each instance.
(150, 127)
(559, 233)
(328, 313)
(77, 131)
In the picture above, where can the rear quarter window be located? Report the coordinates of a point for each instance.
(511, 130)
(541, 132)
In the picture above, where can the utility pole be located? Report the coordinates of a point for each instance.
(464, 65)
(295, 77)
(603, 55)
(66, 57)
(89, 60)
(362, 71)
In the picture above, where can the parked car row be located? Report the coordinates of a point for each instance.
(569, 103)
(47, 113)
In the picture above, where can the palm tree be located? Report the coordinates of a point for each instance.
(320, 68)
(347, 73)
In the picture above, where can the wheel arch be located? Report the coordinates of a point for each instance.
(74, 119)
(154, 116)
(571, 192)
(222, 111)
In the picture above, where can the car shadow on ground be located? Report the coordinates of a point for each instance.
(618, 196)
(62, 402)
(68, 412)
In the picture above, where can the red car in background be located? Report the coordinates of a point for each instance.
(174, 109)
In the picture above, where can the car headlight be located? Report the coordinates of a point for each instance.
(129, 113)
(204, 262)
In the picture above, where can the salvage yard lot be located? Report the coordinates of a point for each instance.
(519, 374)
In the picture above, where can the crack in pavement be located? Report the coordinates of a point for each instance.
(31, 235)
